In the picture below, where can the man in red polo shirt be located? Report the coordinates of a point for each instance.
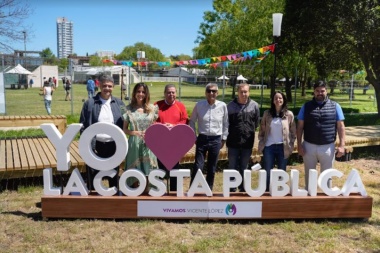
(170, 113)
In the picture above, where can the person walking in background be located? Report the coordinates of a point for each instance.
(90, 87)
(243, 118)
(212, 118)
(67, 86)
(170, 113)
(96, 84)
(55, 82)
(103, 108)
(140, 115)
(51, 83)
(277, 135)
(31, 82)
(48, 95)
(319, 120)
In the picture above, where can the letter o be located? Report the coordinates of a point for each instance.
(96, 162)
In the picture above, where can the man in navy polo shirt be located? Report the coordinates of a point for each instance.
(319, 120)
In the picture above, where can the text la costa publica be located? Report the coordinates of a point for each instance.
(281, 184)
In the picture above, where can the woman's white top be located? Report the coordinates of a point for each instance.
(47, 92)
(275, 133)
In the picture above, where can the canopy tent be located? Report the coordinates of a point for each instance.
(19, 70)
(223, 77)
(241, 78)
(284, 79)
(92, 71)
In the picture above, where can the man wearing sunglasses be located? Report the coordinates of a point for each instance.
(212, 118)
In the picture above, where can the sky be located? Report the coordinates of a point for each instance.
(168, 25)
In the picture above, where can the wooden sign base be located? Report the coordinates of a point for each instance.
(288, 207)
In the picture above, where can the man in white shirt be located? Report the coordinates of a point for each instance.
(212, 118)
(103, 108)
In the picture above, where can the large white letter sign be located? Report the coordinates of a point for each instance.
(260, 190)
(48, 183)
(129, 191)
(94, 161)
(180, 174)
(294, 184)
(231, 179)
(154, 178)
(199, 185)
(354, 184)
(324, 179)
(76, 184)
(313, 182)
(61, 143)
(278, 180)
(98, 185)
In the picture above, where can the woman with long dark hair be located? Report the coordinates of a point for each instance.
(277, 134)
(140, 114)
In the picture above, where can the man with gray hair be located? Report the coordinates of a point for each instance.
(171, 113)
(103, 108)
(212, 118)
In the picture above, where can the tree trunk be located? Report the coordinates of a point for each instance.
(376, 85)
(288, 90)
(377, 95)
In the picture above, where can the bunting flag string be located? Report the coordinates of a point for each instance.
(216, 61)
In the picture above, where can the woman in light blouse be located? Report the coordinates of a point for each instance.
(277, 135)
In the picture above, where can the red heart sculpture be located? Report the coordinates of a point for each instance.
(169, 144)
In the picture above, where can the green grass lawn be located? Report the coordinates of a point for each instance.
(30, 102)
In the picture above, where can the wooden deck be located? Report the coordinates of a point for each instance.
(59, 121)
(27, 157)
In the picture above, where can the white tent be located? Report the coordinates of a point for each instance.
(241, 78)
(19, 70)
(92, 71)
(223, 77)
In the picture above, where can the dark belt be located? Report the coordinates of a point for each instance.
(209, 137)
(279, 144)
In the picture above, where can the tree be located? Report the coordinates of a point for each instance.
(49, 57)
(151, 53)
(12, 15)
(337, 34)
(95, 60)
(235, 26)
(181, 57)
(63, 64)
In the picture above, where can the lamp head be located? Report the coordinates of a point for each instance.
(277, 20)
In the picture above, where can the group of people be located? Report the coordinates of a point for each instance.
(49, 86)
(218, 124)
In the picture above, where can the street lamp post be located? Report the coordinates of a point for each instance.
(24, 32)
(277, 20)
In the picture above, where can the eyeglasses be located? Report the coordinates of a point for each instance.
(212, 91)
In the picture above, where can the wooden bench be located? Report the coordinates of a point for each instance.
(59, 121)
(27, 157)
